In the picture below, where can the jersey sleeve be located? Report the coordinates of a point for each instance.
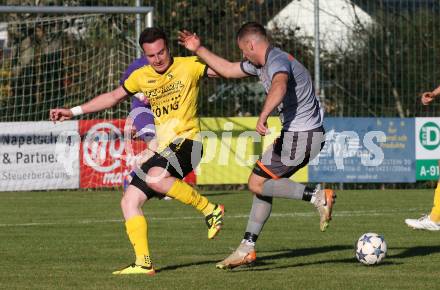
(248, 68)
(198, 68)
(131, 84)
(279, 65)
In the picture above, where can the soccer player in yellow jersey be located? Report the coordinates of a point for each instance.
(429, 222)
(171, 85)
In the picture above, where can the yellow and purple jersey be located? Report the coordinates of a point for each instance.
(172, 96)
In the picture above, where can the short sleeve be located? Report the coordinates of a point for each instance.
(198, 67)
(248, 68)
(131, 84)
(280, 64)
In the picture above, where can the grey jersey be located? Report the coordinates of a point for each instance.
(300, 109)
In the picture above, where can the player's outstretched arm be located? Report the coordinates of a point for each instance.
(98, 103)
(221, 66)
(428, 97)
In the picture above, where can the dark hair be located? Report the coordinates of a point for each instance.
(150, 35)
(251, 28)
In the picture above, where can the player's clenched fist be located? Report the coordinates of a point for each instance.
(427, 98)
(60, 114)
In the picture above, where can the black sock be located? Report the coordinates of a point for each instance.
(249, 237)
(308, 193)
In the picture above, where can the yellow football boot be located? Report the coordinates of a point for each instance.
(136, 269)
(214, 220)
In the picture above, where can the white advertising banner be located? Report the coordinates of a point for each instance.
(427, 138)
(39, 155)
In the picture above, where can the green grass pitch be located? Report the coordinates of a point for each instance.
(75, 239)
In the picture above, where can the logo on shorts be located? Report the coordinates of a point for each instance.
(151, 81)
(429, 136)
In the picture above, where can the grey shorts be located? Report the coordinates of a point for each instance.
(289, 153)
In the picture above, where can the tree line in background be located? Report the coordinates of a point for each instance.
(382, 71)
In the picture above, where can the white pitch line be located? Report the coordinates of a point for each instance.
(237, 216)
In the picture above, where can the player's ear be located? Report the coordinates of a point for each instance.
(250, 45)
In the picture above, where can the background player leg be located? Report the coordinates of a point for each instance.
(429, 222)
(435, 211)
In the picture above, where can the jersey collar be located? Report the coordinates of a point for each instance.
(266, 56)
(269, 49)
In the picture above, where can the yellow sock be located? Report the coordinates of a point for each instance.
(435, 212)
(184, 193)
(138, 234)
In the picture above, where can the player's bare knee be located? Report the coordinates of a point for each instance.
(132, 199)
(126, 202)
(255, 186)
(255, 183)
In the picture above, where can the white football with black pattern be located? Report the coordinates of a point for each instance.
(371, 249)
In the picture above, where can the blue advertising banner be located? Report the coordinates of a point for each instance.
(366, 150)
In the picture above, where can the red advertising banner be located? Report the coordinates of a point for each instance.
(107, 154)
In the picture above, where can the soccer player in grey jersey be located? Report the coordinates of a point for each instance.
(289, 88)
